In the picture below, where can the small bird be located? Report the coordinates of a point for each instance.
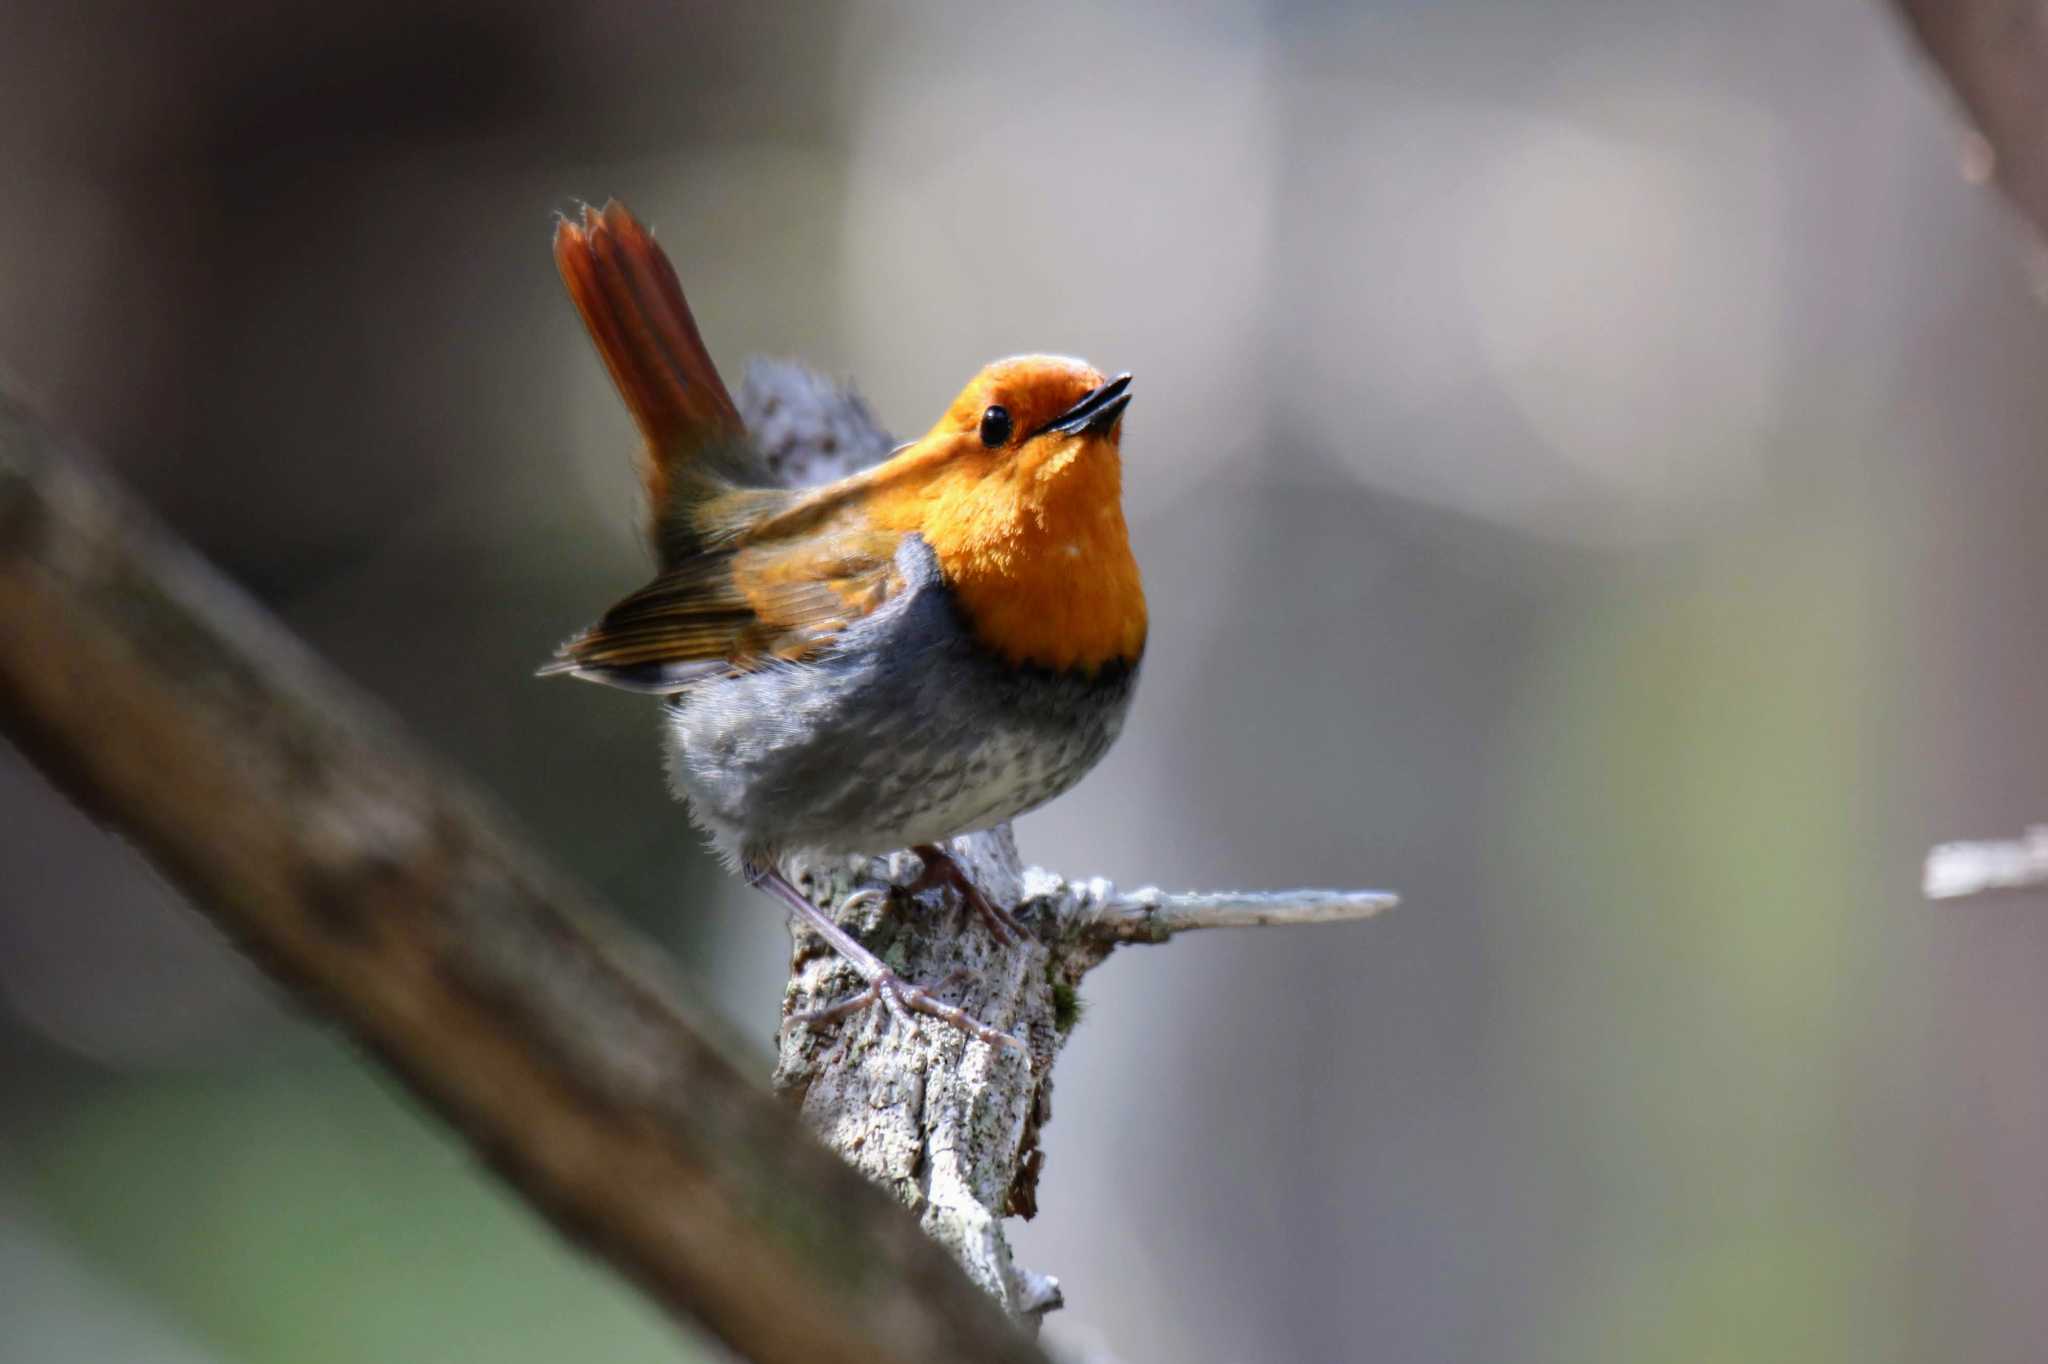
(926, 648)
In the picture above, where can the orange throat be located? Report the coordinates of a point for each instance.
(1040, 559)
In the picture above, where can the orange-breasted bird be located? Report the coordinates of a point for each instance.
(926, 648)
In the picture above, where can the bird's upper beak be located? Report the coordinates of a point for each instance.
(1095, 413)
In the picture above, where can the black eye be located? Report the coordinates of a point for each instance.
(995, 427)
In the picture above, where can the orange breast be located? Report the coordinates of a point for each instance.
(1038, 555)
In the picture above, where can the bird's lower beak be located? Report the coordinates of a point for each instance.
(1097, 412)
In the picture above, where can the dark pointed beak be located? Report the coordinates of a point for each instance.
(1095, 413)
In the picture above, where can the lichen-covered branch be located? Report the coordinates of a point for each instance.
(944, 1122)
(948, 1124)
(299, 817)
(1153, 915)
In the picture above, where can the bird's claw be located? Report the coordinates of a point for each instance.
(861, 900)
(903, 999)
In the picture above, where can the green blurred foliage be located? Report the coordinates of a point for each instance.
(308, 1212)
(1686, 817)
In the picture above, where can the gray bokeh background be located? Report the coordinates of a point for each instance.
(1588, 474)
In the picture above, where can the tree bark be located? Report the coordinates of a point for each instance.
(949, 1124)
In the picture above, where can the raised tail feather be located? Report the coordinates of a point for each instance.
(633, 305)
(701, 472)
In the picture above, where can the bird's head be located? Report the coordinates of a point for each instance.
(1035, 417)
(1019, 491)
(1031, 437)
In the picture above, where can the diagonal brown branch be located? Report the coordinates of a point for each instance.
(300, 818)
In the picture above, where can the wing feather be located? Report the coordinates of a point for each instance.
(780, 600)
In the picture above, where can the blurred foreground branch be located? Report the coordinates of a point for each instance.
(1995, 56)
(297, 816)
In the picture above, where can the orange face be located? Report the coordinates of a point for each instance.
(1012, 406)
(1019, 491)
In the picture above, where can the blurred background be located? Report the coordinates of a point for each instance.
(1588, 476)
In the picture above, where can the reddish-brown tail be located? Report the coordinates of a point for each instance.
(627, 292)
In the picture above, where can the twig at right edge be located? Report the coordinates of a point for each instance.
(1957, 871)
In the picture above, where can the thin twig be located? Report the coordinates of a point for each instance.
(1151, 915)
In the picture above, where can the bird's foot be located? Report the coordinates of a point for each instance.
(941, 869)
(884, 986)
(903, 999)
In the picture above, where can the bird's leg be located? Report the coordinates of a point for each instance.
(885, 987)
(940, 868)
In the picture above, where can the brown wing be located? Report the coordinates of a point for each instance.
(737, 608)
(629, 298)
